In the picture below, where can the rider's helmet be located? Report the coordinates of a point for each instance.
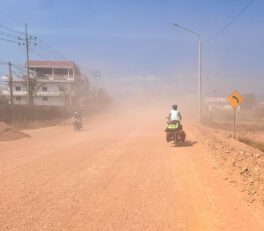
(75, 114)
(174, 107)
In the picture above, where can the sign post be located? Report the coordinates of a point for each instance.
(234, 125)
(235, 99)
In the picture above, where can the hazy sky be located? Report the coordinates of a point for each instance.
(134, 39)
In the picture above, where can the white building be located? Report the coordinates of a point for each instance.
(217, 104)
(54, 83)
(261, 106)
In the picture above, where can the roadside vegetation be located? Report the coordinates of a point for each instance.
(36, 116)
(252, 143)
(250, 125)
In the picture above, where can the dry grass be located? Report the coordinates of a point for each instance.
(246, 120)
(252, 143)
(250, 126)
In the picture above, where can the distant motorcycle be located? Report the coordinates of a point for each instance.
(77, 124)
(175, 133)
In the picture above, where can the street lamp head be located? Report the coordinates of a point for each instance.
(186, 29)
(174, 24)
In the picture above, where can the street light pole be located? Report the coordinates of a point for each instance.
(200, 80)
(200, 66)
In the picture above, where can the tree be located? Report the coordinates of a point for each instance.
(103, 97)
(66, 92)
(4, 99)
(34, 87)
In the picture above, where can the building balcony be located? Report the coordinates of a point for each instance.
(49, 93)
(55, 78)
(15, 93)
(39, 93)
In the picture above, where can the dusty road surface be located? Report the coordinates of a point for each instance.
(117, 174)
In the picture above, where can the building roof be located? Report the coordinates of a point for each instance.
(50, 64)
(215, 100)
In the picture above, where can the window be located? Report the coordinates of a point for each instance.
(18, 88)
(45, 98)
(44, 88)
(18, 98)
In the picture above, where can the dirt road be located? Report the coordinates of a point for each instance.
(117, 174)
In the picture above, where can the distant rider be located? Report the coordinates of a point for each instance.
(76, 116)
(174, 116)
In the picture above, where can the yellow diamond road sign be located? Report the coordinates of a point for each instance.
(235, 99)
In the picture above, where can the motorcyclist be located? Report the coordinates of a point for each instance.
(77, 121)
(174, 124)
(76, 116)
(174, 116)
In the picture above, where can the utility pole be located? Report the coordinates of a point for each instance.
(10, 83)
(200, 81)
(27, 52)
(234, 123)
(96, 74)
(26, 42)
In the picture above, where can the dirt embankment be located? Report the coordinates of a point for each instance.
(257, 136)
(243, 165)
(8, 133)
(250, 125)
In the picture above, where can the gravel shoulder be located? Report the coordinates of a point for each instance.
(243, 165)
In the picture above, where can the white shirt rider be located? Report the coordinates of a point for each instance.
(175, 115)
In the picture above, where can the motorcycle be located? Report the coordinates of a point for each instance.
(77, 124)
(175, 132)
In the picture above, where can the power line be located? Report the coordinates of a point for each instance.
(8, 40)
(41, 49)
(43, 53)
(52, 50)
(8, 34)
(47, 56)
(40, 54)
(54, 54)
(46, 51)
(3, 63)
(21, 67)
(18, 75)
(224, 28)
(12, 30)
